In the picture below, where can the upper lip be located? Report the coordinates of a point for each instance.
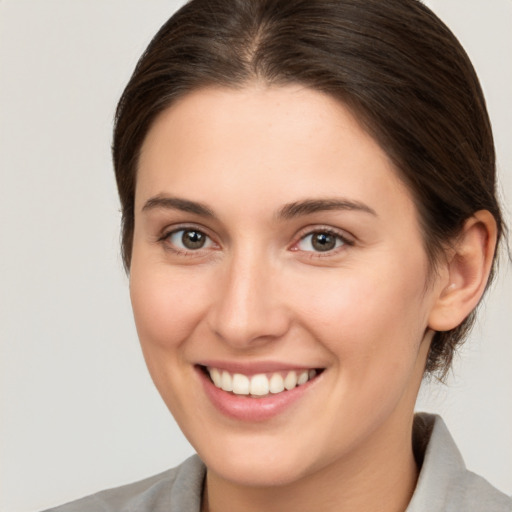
(252, 368)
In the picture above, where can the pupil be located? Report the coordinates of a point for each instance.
(193, 239)
(323, 242)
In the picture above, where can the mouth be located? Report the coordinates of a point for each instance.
(259, 385)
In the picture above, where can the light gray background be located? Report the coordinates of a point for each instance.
(78, 409)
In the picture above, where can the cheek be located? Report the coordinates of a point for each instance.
(368, 319)
(166, 306)
(374, 333)
(167, 309)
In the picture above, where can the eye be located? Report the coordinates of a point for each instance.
(321, 241)
(189, 239)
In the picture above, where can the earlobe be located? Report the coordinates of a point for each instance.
(468, 268)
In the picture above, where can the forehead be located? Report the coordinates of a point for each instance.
(284, 142)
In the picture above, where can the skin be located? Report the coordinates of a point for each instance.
(258, 291)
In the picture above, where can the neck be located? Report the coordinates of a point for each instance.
(381, 479)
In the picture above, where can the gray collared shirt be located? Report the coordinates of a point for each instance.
(444, 484)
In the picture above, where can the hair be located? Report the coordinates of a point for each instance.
(394, 64)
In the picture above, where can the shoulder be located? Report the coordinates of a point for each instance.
(445, 484)
(178, 489)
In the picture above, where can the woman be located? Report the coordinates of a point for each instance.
(309, 222)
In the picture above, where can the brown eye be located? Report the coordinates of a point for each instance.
(321, 241)
(189, 239)
(193, 239)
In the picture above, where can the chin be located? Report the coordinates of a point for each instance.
(262, 460)
(244, 471)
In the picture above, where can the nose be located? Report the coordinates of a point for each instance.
(249, 309)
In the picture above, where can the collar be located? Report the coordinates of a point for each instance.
(444, 483)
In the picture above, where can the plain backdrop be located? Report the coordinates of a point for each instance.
(78, 409)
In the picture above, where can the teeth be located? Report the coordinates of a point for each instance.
(216, 377)
(276, 383)
(226, 382)
(241, 384)
(260, 384)
(290, 381)
(303, 378)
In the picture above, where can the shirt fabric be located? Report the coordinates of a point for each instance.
(444, 484)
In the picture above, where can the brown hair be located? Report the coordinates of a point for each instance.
(394, 63)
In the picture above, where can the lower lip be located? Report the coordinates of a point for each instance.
(245, 408)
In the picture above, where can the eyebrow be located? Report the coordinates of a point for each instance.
(309, 206)
(176, 203)
(288, 211)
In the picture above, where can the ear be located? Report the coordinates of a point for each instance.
(468, 266)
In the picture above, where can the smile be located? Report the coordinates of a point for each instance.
(261, 384)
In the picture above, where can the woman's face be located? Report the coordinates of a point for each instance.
(274, 242)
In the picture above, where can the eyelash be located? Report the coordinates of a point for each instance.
(165, 239)
(340, 239)
(344, 240)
